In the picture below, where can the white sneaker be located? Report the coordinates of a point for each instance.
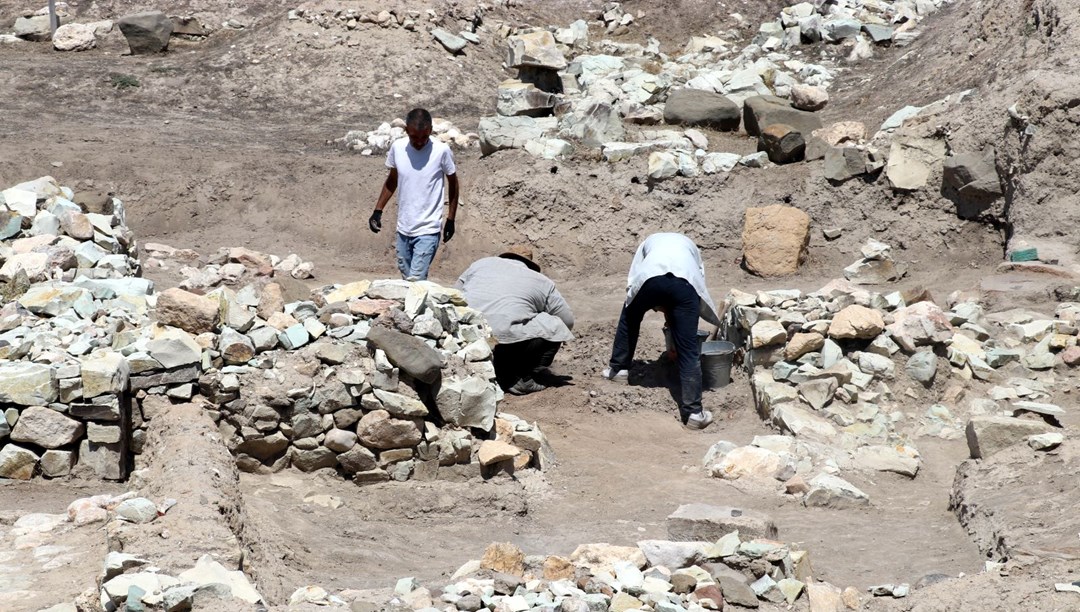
(699, 420)
(618, 376)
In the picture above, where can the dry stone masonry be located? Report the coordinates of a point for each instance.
(378, 380)
(836, 371)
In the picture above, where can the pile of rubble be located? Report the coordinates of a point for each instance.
(717, 557)
(147, 32)
(587, 99)
(383, 379)
(836, 368)
(380, 139)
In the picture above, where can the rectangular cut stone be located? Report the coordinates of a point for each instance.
(105, 373)
(170, 377)
(106, 460)
(107, 408)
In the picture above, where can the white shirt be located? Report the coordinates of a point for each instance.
(420, 184)
(676, 254)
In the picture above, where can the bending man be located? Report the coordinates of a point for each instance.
(528, 316)
(667, 275)
(418, 165)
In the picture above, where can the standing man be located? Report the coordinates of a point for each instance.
(667, 275)
(418, 164)
(528, 316)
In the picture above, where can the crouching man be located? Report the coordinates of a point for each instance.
(667, 275)
(528, 317)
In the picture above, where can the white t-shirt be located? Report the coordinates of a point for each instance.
(420, 184)
(676, 254)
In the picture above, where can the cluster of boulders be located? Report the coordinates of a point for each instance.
(380, 139)
(717, 558)
(836, 368)
(589, 98)
(380, 379)
(353, 19)
(147, 32)
(233, 267)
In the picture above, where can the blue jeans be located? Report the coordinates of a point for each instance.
(680, 297)
(415, 254)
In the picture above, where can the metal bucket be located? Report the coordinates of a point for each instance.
(716, 358)
(669, 342)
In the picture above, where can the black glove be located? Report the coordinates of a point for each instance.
(375, 222)
(448, 230)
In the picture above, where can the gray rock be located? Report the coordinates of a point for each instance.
(104, 373)
(174, 348)
(535, 50)
(783, 143)
(263, 338)
(836, 30)
(736, 591)
(235, 347)
(137, 510)
(103, 434)
(453, 44)
(146, 32)
(705, 523)
(468, 402)
(498, 133)
(672, 554)
(409, 353)
(886, 459)
(378, 429)
(922, 366)
(56, 463)
(818, 393)
(106, 460)
(357, 459)
(843, 163)
(700, 107)
(46, 428)
(36, 28)
(314, 459)
(972, 182)
(294, 337)
(518, 98)
(760, 112)
(879, 34)
(831, 491)
(593, 122)
(17, 463)
(1046, 441)
(987, 435)
(27, 384)
(265, 448)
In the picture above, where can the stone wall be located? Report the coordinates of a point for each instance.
(378, 380)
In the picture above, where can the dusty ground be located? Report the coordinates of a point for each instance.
(216, 150)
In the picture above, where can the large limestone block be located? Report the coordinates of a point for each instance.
(35, 265)
(27, 384)
(759, 112)
(17, 463)
(706, 523)
(75, 37)
(699, 107)
(103, 373)
(921, 324)
(174, 348)
(775, 239)
(192, 313)
(36, 28)
(517, 98)
(911, 160)
(377, 429)
(498, 133)
(468, 402)
(535, 50)
(46, 428)
(856, 322)
(987, 435)
(146, 32)
(830, 491)
(106, 460)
